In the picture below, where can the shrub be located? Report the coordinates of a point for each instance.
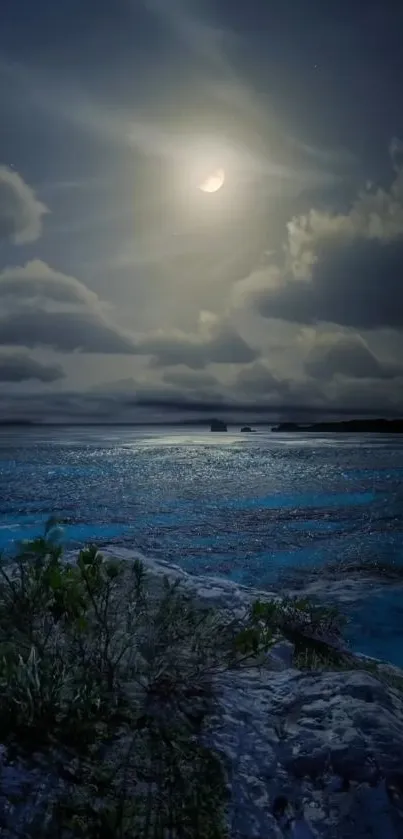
(314, 630)
(110, 673)
(113, 674)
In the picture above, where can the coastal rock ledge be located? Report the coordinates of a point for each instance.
(308, 754)
(330, 743)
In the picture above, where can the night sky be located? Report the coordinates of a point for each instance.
(201, 209)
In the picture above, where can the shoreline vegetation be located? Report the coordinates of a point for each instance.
(110, 676)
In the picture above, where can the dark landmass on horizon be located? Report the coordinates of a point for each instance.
(377, 426)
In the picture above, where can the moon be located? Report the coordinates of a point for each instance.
(213, 182)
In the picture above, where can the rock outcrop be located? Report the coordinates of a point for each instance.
(308, 754)
(218, 425)
(330, 744)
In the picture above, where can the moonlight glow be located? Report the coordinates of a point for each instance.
(213, 182)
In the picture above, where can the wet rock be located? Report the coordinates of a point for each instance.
(218, 425)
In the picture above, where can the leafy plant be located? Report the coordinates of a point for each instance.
(314, 630)
(112, 671)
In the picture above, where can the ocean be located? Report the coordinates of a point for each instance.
(284, 512)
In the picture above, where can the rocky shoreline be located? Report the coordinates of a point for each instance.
(330, 742)
(308, 754)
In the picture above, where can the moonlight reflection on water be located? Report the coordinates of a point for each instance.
(266, 510)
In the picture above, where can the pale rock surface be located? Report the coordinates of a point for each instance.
(329, 742)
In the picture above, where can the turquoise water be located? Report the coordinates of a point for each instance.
(254, 508)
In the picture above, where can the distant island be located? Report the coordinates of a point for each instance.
(218, 425)
(375, 426)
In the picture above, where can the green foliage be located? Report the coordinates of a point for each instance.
(178, 787)
(30, 691)
(114, 673)
(256, 636)
(314, 631)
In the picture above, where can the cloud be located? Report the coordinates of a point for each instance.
(20, 211)
(341, 268)
(189, 379)
(150, 405)
(258, 380)
(43, 307)
(347, 356)
(260, 384)
(215, 342)
(355, 283)
(159, 403)
(20, 367)
(376, 397)
(36, 279)
(396, 153)
(46, 308)
(165, 398)
(83, 331)
(255, 393)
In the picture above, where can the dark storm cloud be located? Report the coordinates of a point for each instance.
(259, 384)
(356, 283)
(20, 211)
(396, 153)
(254, 389)
(157, 402)
(342, 268)
(160, 404)
(189, 379)
(192, 388)
(179, 402)
(84, 331)
(37, 279)
(348, 356)
(217, 343)
(259, 380)
(46, 308)
(20, 367)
